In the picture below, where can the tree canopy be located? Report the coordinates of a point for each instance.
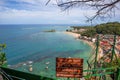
(108, 28)
(112, 28)
(90, 32)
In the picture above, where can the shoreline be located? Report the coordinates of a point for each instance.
(76, 35)
(72, 34)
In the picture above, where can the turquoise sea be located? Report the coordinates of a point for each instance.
(29, 45)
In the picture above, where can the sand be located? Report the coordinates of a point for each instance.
(88, 42)
(73, 34)
(78, 35)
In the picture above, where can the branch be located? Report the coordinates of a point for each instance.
(47, 2)
(102, 6)
(107, 6)
(73, 2)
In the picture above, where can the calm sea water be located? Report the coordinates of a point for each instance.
(29, 45)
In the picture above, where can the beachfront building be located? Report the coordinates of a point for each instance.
(106, 43)
(93, 40)
(78, 29)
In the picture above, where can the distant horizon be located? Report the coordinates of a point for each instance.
(43, 24)
(58, 24)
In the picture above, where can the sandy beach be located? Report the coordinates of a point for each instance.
(78, 35)
(87, 42)
(73, 34)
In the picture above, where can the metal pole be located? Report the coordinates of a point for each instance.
(96, 54)
(118, 74)
(113, 49)
(68, 78)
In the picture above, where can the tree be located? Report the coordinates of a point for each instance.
(108, 28)
(2, 54)
(2, 58)
(103, 7)
(89, 33)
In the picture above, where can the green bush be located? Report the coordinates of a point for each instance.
(2, 54)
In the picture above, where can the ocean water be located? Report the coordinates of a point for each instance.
(29, 45)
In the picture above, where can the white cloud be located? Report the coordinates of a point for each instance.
(41, 16)
(78, 13)
(28, 1)
(48, 14)
(36, 2)
(54, 16)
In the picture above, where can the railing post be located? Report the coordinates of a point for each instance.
(118, 74)
(113, 49)
(96, 54)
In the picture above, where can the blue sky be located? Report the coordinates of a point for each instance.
(36, 12)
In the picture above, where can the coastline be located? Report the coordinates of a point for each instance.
(87, 42)
(72, 34)
(76, 35)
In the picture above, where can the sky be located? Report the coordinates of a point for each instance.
(36, 12)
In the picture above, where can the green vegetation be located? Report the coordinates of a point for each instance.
(106, 28)
(2, 54)
(81, 27)
(52, 30)
(114, 64)
(89, 32)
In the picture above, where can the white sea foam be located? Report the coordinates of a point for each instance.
(35, 35)
(30, 65)
(9, 65)
(30, 62)
(26, 28)
(24, 64)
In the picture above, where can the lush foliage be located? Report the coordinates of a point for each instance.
(81, 27)
(2, 54)
(106, 28)
(89, 32)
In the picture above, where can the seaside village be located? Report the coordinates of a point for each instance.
(105, 43)
(102, 63)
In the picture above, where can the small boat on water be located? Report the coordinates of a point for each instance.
(30, 62)
(47, 63)
(46, 67)
(69, 57)
(24, 64)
